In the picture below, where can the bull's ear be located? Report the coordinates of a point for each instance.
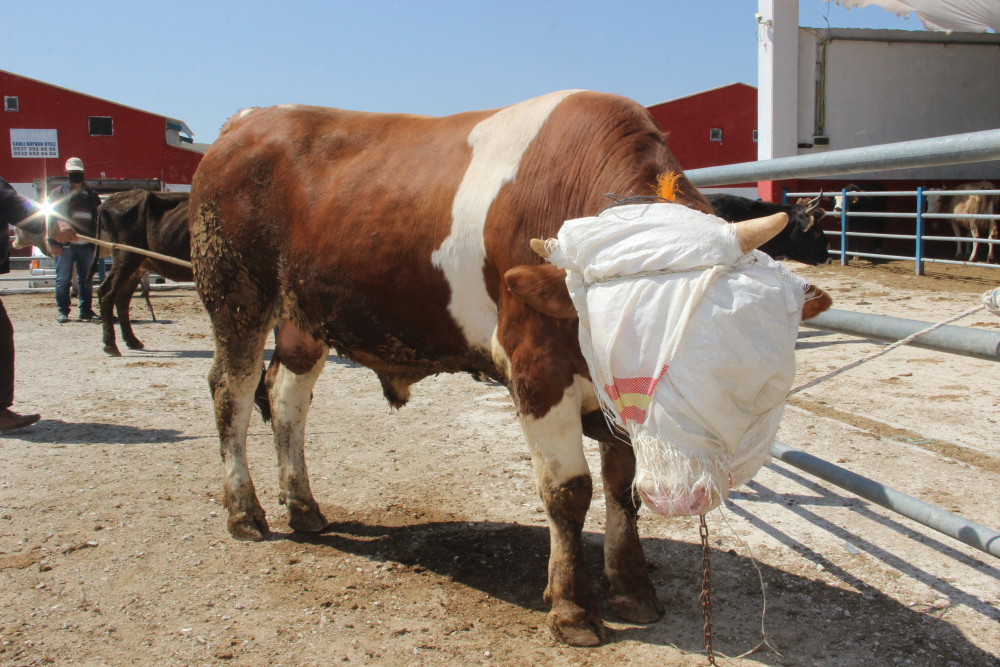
(543, 288)
(817, 301)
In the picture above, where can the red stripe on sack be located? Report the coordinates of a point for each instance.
(639, 385)
(633, 413)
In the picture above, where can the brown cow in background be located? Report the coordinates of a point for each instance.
(969, 205)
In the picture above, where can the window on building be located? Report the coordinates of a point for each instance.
(755, 136)
(100, 126)
(715, 134)
(10, 103)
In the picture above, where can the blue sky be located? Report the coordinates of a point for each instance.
(202, 61)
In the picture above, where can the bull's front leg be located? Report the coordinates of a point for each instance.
(564, 484)
(631, 593)
(994, 235)
(959, 245)
(974, 229)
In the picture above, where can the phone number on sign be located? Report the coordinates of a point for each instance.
(34, 151)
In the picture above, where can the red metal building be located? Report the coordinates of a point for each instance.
(47, 124)
(711, 128)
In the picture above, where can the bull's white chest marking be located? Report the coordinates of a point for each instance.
(556, 440)
(498, 143)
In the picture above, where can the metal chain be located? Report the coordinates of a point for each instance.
(706, 598)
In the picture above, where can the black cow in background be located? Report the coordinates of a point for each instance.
(802, 239)
(154, 221)
(862, 223)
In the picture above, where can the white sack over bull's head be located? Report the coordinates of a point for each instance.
(689, 335)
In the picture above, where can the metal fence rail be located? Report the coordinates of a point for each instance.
(920, 195)
(952, 525)
(965, 341)
(954, 149)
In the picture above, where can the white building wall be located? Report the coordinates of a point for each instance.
(808, 67)
(26, 190)
(878, 90)
(777, 65)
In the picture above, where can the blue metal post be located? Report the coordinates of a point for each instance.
(920, 232)
(784, 196)
(843, 227)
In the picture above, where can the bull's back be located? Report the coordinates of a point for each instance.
(339, 213)
(387, 235)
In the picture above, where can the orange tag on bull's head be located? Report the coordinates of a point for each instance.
(666, 185)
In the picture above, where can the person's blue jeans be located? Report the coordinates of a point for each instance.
(81, 255)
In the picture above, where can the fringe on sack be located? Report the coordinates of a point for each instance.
(678, 476)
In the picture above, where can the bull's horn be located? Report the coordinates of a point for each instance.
(813, 204)
(754, 233)
(538, 245)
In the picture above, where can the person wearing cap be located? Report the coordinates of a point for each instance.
(13, 209)
(75, 205)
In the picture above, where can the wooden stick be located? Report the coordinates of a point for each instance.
(140, 251)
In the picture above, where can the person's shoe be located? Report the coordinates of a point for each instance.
(90, 317)
(62, 319)
(10, 420)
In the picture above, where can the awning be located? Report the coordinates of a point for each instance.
(179, 126)
(941, 15)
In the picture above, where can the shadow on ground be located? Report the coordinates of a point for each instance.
(208, 354)
(812, 333)
(809, 621)
(58, 432)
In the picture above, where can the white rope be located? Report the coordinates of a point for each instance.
(990, 303)
(991, 300)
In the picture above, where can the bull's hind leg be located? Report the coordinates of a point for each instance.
(290, 383)
(565, 486)
(119, 284)
(233, 379)
(631, 593)
(123, 305)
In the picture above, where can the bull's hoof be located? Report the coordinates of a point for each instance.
(135, 344)
(637, 608)
(112, 350)
(306, 518)
(249, 526)
(571, 625)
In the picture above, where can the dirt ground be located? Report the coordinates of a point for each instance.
(114, 550)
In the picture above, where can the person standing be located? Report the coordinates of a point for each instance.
(13, 209)
(75, 205)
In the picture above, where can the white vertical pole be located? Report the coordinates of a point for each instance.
(777, 78)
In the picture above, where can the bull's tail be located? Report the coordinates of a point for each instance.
(261, 398)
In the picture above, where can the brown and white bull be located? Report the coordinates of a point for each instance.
(402, 242)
